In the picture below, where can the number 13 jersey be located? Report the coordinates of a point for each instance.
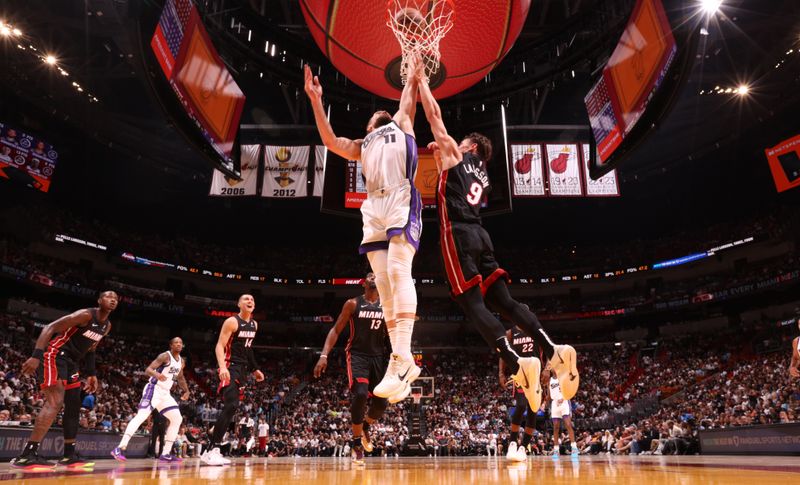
(461, 191)
(367, 328)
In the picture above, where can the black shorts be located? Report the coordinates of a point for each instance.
(366, 369)
(468, 257)
(236, 384)
(57, 367)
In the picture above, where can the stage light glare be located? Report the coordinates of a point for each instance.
(710, 7)
(49, 59)
(5, 30)
(743, 90)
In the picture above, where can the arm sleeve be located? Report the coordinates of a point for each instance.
(89, 364)
(251, 358)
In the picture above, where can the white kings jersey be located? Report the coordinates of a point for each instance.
(555, 390)
(170, 371)
(388, 157)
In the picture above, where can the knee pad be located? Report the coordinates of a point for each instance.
(358, 404)
(399, 261)
(378, 262)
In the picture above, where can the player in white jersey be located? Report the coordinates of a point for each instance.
(392, 219)
(560, 410)
(163, 372)
(794, 366)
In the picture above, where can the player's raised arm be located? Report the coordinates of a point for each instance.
(448, 155)
(333, 335)
(408, 101)
(344, 147)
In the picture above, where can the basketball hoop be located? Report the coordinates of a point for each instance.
(419, 26)
(416, 396)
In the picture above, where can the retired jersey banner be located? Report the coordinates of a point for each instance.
(605, 186)
(285, 171)
(563, 170)
(526, 165)
(222, 185)
(784, 162)
(320, 152)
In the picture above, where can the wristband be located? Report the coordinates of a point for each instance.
(323, 355)
(37, 354)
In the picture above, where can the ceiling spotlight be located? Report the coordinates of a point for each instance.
(743, 89)
(5, 30)
(50, 60)
(710, 7)
(16, 32)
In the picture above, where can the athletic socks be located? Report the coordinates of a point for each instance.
(526, 439)
(507, 353)
(513, 436)
(401, 345)
(31, 448)
(69, 449)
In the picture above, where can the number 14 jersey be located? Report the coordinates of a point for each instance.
(240, 342)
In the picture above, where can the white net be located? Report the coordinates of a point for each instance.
(419, 26)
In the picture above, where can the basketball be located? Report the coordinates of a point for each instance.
(355, 38)
(411, 19)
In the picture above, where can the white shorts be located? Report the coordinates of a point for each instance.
(158, 398)
(391, 212)
(558, 411)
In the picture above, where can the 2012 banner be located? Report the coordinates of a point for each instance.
(285, 171)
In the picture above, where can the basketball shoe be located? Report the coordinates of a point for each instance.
(397, 375)
(118, 454)
(32, 463)
(214, 458)
(521, 454)
(365, 441)
(527, 377)
(512, 450)
(75, 461)
(357, 455)
(400, 396)
(565, 364)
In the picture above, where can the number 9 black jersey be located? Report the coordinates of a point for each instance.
(462, 189)
(240, 342)
(367, 328)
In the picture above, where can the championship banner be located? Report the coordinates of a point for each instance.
(25, 159)
(222, 185)
(285, 171)
(784, 162)
(320, 154)
(605, 186)
(526, 165)
(563, 170)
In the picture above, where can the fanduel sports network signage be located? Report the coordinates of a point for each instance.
(773, 439)
(89, 444)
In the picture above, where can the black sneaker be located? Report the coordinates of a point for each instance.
(75, 461)
(357, 455)
(32, 463)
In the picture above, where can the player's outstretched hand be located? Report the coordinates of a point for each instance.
(503, 381)
(224, 375)
(433, 146)
(161, 377)
(258, 375)
(312, 86)
(185, 396)
(91, 385)
(30, 366)
(319, 369)
(416, 68)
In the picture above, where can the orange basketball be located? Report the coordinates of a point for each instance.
(353, 34)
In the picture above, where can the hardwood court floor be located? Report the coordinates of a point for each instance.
(689, 470)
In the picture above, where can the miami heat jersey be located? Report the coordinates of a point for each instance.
(170, 371)
(240, 342)
(76, 341)
(388, 157)
(524, 345)
(461, 191)
(367, 328)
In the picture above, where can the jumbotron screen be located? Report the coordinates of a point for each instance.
(632, 75)
(205, 87)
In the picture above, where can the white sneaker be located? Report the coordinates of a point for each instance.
(512, 450)
(400, 396)
(527, 377)
(565, 364)
(521, 455)
(398, 373)
(214, 458)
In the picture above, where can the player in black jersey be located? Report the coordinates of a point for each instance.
(60, 348)
(524, 346)
(475, 277)
(236, 359)
(366, 362)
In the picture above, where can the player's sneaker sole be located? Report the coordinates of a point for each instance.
(512, 450)
(400, 396)
(392, 383)
(565, 365)
(527, 377)
(521, 455)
